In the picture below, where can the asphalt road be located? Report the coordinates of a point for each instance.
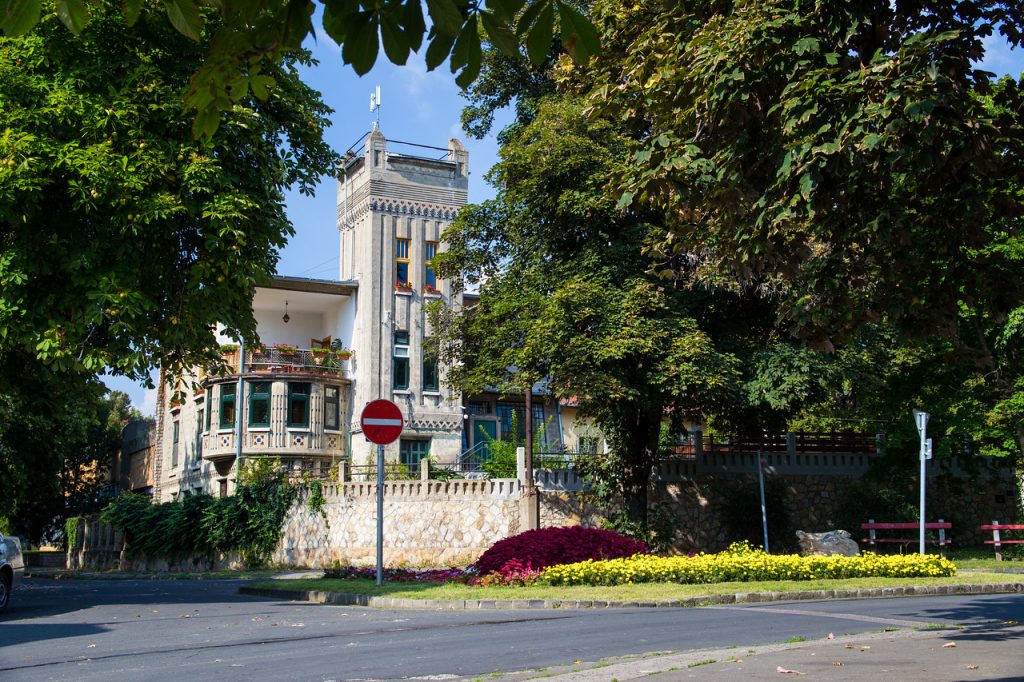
(174, 630)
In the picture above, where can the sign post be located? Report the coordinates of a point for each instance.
(921, 420)
(382, 424)
(764, 508)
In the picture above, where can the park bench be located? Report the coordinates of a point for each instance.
(873, 540)
(997, 540)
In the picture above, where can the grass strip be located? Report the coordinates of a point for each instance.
(629, 593)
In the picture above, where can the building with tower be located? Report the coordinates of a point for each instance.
(330, 346)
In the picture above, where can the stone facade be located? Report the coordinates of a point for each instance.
(426, 523)
(392, 210)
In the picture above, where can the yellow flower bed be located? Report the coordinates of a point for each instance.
(740, 563)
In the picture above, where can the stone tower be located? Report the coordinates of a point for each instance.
(392, 209)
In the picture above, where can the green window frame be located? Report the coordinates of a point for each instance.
(332, 408)
(431, 377)
(259, 403)
(227, 405)
(199, 435)
(411, 451)
(209, 406)
(400, 364)
(298, 405)
(513, 416)
(176, 433)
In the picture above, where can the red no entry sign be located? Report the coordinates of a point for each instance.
(381, 421)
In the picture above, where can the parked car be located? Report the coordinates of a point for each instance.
(12, 568)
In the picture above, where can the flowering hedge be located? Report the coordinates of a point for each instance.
(537, 549)
(741, 564)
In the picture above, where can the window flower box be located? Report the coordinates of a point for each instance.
(404, 287)
(431, 290)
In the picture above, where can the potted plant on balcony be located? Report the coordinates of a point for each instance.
(320, 355)
(229, 351)
(284, 351)
(403, 287)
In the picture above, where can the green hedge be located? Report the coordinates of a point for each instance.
(248, 522)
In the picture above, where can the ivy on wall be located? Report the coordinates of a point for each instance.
(248, 522)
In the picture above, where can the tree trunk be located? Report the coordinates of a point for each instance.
(641, 448)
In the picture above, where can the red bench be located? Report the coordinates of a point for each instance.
(873, 540)
(997, 541)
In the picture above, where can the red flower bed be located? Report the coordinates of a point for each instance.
(538, 549)
(401, 575)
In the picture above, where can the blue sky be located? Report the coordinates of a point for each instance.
(417, 106)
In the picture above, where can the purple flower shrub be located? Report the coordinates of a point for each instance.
(402, 575)
(534, 550)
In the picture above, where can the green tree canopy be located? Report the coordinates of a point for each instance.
(565, 295)
(251, 36)
(850, 160)
(59, 433)
(850, 157)
(125, 240)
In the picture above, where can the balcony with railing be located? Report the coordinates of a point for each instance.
(284, 359)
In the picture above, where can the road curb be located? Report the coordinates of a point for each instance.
(346, 599)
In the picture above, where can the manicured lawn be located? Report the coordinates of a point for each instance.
(641, 592)
(989, 563)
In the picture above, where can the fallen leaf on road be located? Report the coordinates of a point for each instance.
(972, 667)
(787, 671)
(831, 636)
(577, 662)
(91, 646)
(949, 645)
(837, 663)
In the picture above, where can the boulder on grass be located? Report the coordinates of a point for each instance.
(827, 544)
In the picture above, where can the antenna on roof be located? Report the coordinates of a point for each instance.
(375, 107)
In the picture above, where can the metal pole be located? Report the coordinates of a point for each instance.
(528, 424)
(922, 458)
(239, 409)
(764, 509)
(380, 514)
(921, 421)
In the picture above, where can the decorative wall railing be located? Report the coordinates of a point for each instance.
(301, 360)
(792, 443)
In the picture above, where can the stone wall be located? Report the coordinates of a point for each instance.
(447, 523)
(426, 523)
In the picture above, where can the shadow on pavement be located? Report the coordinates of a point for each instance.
(23, 633)
(1003, 608)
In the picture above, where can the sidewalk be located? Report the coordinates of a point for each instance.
(993, 652)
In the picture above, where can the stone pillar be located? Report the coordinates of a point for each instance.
(529, 501)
